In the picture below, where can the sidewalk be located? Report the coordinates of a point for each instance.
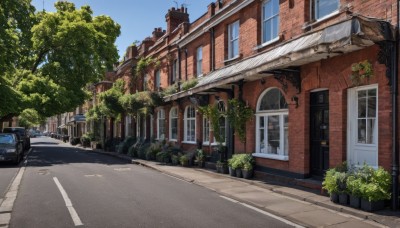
(303, 207)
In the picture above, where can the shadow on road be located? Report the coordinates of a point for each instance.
(46, 152)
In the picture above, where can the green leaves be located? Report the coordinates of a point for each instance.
(47, 59)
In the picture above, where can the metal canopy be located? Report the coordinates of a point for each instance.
(344, 37)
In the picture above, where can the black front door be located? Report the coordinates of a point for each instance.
(319, 130)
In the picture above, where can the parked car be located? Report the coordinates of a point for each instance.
(21, 133)
(11, 148)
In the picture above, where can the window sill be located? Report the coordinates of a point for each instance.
(189, 142)
(311, 24)
(173, 140)
(272, 156)
(232, 59)
(199, 76)
(267, 43)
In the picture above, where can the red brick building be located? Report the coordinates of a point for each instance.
(290, 61)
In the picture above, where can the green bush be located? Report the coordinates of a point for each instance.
(142, 151)
(186, 85)
(354, 184)
(126, 144)
(152, 151)
(239, 161)
(133, 151)
(330, 181)
(75, 141)
(184, 160)
(377, 187)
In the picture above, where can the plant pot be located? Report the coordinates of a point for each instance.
(247, 174)
(355, 201)
(334, 197)
(343, 198)
(232, 172)
(238, 173)
(201, 164)
(372, 205)
(224, 169)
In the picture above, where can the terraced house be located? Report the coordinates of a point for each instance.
(318, 74)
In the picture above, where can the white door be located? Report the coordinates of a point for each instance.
(362, 126)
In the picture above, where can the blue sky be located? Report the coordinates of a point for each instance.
(137, 18)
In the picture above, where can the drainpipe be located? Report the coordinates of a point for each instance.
(179, 64)
(231, 139)
(395, 151)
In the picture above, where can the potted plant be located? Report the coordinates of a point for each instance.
(184, 160)
(175, 159)
(200, 158)
(375, 189)
(354, 183)
(237, 165)
(221, 167)
(341, 178)
(232, 171)
(247, 170)
(330, 184)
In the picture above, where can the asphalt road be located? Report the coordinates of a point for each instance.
(65, 186)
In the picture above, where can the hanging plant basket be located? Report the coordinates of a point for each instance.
(361, 71)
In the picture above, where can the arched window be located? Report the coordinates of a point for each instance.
(272, 125)
(190, 124)
(161, 124)
(173, 124)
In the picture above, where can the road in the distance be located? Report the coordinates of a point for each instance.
(102, 191)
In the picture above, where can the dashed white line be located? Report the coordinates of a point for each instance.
(264, 212)
(68, 203)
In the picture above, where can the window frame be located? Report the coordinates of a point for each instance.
(206, 131)
(231, 40)
(282, 114)
(186, 120)
(314, 10)
(171, 117)
(157, 77)
(160, 122)
(264, 20)
(199, 61)
(175, 68)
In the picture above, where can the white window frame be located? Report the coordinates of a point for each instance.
(265, 20)
(188, 124)
(160, 122)
(265, 114)
(145, 79)
(232, 39)
(199, 61)
(158, 79)
(171, 117)
(174, 70)
(315, 9)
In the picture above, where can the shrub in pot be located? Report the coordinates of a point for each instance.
(184, 160)
(342, 188)
(375, 188)
(175, 159)
(221, 167)
(232, 172)
(200, 158)
(354, 183)
(247, 170)
(330, 184)
(237, 165)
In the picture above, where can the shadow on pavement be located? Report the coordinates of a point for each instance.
(47, 153)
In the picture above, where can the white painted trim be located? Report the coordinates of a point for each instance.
(318, 90)
(271, 156)
(170, 123)
(276, 39)
(75, 218)
(188, 142)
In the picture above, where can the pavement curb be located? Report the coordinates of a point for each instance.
(338, 208)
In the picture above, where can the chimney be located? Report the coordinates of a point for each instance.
(131, 52)
(157, 33)
(175, 17)
(211, 10)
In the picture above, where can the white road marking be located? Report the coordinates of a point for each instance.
(263, 212)
(68, 203)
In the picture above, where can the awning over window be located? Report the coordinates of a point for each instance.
(344, 37)
(78, 119)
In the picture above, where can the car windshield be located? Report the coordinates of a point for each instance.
(19, 131)
(6, 139)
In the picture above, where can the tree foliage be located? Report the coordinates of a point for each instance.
(48, 58)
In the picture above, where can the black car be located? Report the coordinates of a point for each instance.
(22, 134)
(11, 148)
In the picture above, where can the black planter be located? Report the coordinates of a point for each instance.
(343, 199)
(372, 205)
(247, 174)
(201, 164)
(334, 197)
(355, 202)
(238, 173)
(232, 172)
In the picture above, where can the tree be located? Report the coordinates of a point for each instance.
(53, 56)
